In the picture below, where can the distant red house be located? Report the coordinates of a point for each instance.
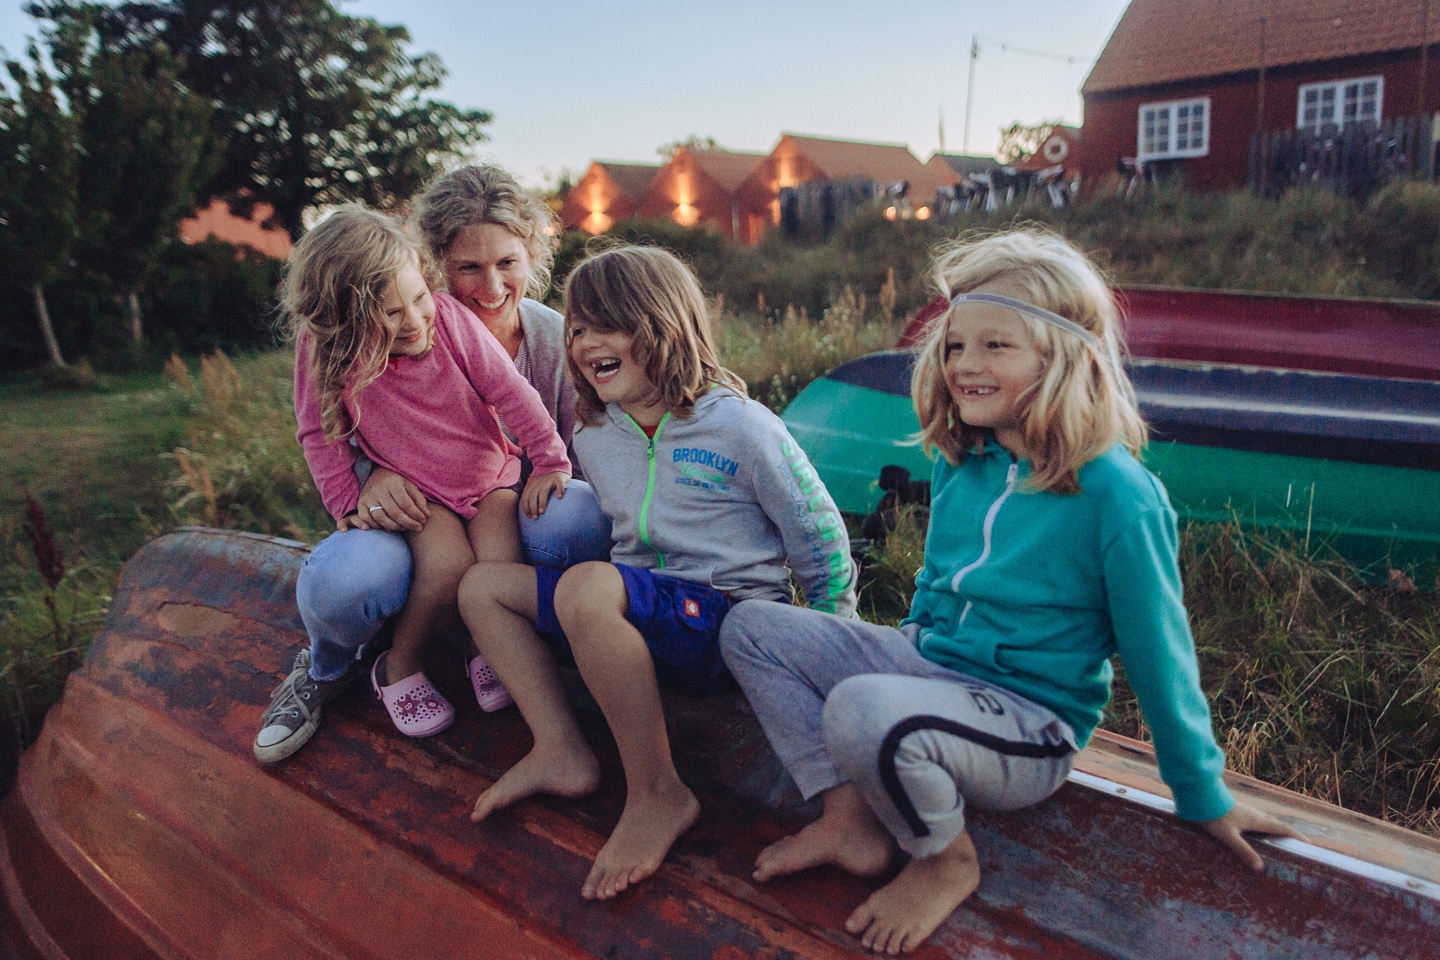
(217, 221)
(609, 192)
(798, 160)
(1182, 84)
(697, 187)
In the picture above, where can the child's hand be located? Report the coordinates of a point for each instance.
(389, 502)
(538, 489)
(1246, 819)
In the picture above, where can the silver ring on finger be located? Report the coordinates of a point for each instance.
(376, 507)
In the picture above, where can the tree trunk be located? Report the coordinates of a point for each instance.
(47, 331)
(131, 302)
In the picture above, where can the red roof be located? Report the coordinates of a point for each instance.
(630, 179)
(726, 167)
(1162, 41)
(882, 162)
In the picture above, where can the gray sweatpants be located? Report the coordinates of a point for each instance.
(844, 700)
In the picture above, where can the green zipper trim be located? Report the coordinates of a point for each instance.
(649, 484)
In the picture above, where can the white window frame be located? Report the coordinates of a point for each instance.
(1172, 132)
(1342, 103)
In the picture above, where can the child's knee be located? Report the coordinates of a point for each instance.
(587, 591)
(858, 714)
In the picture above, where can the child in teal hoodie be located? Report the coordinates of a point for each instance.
(1049, 549)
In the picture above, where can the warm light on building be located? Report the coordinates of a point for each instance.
(922, 214)
(597, 223)
(687, 215)
(890, 213)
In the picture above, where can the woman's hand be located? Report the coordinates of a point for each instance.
(388, 502)
(538, 489)
(1241, 819)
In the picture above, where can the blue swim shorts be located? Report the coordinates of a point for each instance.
(680, 621)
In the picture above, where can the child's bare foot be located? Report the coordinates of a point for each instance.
(647, 829)
(900, 915)
(571, 771)
(865, 853)
(847, 835)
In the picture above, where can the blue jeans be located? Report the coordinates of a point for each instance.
(354, 581)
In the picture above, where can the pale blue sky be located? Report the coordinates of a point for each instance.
(569, 81)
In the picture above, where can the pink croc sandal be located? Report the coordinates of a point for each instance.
(490, 693)
(414, 704)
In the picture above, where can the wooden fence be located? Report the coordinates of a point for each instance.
(1356, 160)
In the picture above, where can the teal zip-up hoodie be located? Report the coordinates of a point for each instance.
(723, 497)
(1034, 592)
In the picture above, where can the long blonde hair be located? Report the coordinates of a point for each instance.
(1084, 402)
(649, 294)
(333, 294)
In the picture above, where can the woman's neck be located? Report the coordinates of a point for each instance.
(511, 336)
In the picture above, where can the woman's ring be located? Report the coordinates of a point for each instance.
(376, 507)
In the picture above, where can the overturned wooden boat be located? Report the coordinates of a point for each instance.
(141, 827)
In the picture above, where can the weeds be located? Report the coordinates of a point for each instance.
(242, 468)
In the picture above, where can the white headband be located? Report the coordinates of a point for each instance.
(1030, 310)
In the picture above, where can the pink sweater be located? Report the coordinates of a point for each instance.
(432, 420)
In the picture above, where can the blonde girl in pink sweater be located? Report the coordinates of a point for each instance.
(417, 383)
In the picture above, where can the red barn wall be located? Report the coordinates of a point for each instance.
(1111, 120)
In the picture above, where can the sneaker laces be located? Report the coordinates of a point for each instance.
(289, 698)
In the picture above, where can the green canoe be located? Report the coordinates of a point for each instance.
(1375, 515)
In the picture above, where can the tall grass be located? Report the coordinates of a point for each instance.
(242, 468)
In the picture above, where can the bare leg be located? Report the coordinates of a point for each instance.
(900, 915)
(495, 529)
(847, 835)
(442, 554)
(497, 601)
(591, 601)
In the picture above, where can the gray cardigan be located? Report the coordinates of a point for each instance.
(545, 342)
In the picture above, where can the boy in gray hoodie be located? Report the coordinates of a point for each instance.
(711, 502)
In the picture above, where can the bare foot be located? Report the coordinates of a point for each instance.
(648, 827)
(571, 771)
(900, 915)
(863, 851)
(848, 835)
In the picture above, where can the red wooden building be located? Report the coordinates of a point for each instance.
(797, 160)
(697, 187)
(608, 193)
(1183, 85)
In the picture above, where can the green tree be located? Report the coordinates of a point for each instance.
(39, 164)
(144, 151)
(312, 106)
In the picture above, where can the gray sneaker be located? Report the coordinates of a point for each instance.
(294, 712)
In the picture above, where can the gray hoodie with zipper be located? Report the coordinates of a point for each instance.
(723, 497)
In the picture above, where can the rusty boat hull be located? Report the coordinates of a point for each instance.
(140, 826)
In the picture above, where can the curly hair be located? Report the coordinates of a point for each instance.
(333, 296)
(648, 293)
(486, 193)
(1084, 402)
